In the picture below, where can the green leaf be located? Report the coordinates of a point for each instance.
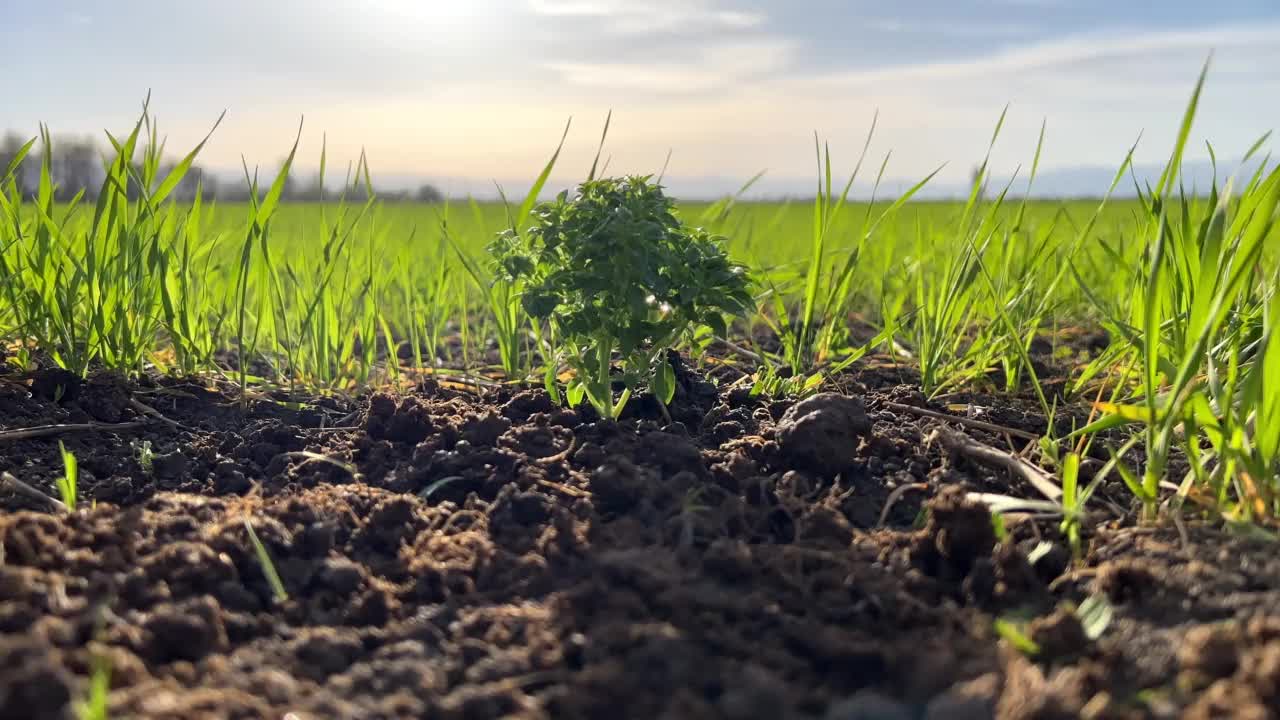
(67, 484)
(532, 197)
(603, 134)
(272, 199)
(664, 382)
(1131, 481)
(998, 526)
(812, 383)
(550, 382)
(16, 161)
(718, 326)
(1173, 167)
(575, 392)
(179, 171)
(1070, 487)
(1014, 635)
(264, 561)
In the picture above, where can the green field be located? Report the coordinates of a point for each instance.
(399, 265)
(312, 298)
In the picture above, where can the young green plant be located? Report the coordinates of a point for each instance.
(268, 566)
(501, 293)
(613, 270)
(1200, 326)
(69, 479)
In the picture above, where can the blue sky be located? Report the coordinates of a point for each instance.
(471, 91)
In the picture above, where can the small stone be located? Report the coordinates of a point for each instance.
(1059, 634)
(1209, 651)
(821, 433)
(341, 575)
(1051, 562)
(170, 465)
(105, 396)
(1124, 581)
(321, 652)
(36, 682)
(54, 383)
(958, 535)
(229, 479)
(484, 430)
(187, 631)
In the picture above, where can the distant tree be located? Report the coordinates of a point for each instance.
(189, 184)
(209, 182)
(313, 192)
(9, 148)
(358, 192)
(134, 187)
(428, 193)
(78, 165)
(975, 176)
(75, 166)
(290, 187)
(233, 192)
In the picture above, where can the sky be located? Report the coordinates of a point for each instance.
(473, 93)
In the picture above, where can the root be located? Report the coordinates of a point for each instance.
(152, 412)
(66, 429)
(979, 424)
(562, 488)
(12, 483)
(563, 454)
(894, 497)
(309, 457)
(994, 457)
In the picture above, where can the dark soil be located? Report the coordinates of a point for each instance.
(451, 553)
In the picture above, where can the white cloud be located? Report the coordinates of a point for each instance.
(1096, 91)
(1068, 51)
(718, 66)
(950, 28)
(651, 16)
(741, 96)
(732, 108)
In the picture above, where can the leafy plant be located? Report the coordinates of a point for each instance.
(770, 381)
(145, 455)
(614, 271)
(1074, 499)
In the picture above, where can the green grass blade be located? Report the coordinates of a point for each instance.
(531, 198)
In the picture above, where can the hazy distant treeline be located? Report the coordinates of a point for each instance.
(78, 164)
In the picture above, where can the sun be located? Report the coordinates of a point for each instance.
(436, 13)
(437, 25)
